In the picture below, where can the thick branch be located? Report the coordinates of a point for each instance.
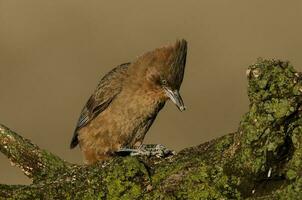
(262, 160)
(33, 161)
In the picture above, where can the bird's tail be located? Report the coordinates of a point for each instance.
(74, 141)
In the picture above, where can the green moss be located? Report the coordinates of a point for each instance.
(119, 180)
(223, 143)
(278, 107)
(291, 191)
(291, 174)
(166, 171)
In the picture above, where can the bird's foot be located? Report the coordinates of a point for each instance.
(157, 150)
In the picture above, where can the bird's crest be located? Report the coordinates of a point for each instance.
(178, 62)
(170, 59)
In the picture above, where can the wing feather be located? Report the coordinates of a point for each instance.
(108, 88)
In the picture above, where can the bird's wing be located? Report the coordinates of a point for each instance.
(106, 91)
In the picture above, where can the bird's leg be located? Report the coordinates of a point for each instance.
(157, 150)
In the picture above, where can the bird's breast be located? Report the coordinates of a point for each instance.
(130, 112)
(136, 106)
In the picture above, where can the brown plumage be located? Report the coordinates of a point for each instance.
(126, 101)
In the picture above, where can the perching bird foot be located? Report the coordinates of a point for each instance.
(157, 150)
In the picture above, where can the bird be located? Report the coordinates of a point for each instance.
(127, 100)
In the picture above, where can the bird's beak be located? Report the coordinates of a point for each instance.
(176, 98)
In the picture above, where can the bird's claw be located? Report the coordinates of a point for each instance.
(157, 150)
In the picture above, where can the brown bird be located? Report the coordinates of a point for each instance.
(127, 100)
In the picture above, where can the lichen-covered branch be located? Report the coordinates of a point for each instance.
(262, 160)
(34, 162)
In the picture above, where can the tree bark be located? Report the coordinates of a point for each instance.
(262, 160)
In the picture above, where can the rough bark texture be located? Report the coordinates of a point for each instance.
(262, 160)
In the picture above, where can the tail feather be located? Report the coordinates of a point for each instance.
(74, 141)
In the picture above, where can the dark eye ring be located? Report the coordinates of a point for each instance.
(164, 82)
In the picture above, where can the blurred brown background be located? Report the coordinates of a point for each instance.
(52, 54)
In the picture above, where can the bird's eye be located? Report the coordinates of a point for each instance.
(163, 81)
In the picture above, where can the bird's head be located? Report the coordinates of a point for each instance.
(163, 70)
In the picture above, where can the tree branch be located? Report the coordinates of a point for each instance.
(33, 161)
(262, 160)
